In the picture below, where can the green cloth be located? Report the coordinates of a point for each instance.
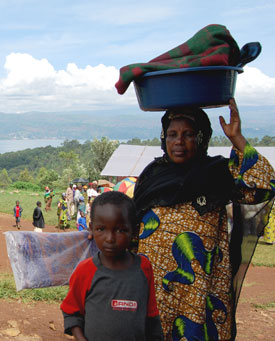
(212, 45)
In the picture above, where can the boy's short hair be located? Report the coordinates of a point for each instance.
(38, 203)
(117, 199)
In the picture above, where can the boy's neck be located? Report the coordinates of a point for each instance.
(121, 262)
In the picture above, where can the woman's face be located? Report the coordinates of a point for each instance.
(181, 141)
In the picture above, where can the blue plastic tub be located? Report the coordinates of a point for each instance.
(209, 86)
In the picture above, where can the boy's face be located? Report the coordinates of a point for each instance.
(17, 203)
(111, 230)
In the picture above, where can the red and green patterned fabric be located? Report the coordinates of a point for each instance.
(212, 45)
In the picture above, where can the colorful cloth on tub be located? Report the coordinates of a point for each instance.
(189, 250)
(212, 45)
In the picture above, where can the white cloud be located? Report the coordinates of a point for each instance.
(255, 88)
(34, 85)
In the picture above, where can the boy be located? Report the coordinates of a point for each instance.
(38, 219)
(17, 212)
(81, 223)
(111, 295)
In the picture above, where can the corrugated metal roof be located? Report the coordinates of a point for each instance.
(130, 160)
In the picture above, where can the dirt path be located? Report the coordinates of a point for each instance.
(41, 321)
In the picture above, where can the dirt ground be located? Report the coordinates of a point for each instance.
(42, 321)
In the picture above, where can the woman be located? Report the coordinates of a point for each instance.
(62, 212)
(38, 219)
(181, 201)
(269, 231)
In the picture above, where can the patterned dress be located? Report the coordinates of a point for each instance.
(190, 256)
(269, 231)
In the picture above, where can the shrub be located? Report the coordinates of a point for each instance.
(26, 186)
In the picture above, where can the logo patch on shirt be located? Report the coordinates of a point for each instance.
(124, 305)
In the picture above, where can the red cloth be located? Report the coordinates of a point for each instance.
(212, 45)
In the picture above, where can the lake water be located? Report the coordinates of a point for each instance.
(15, 145)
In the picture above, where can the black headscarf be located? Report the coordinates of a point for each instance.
(199, 121)
(205, 181)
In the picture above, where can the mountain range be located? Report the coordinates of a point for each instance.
(122, 124)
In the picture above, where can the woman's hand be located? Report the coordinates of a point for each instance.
(233, 129)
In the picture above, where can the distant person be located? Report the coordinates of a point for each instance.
(46, 197)
(17, 212)
(52, 194)
(81, 207)
(92, 191)
(111, 296)
(62, 212)
(38, 219)
(77, 194)
(269, 230)
(85, 194)
(81, 222)
(70, 199)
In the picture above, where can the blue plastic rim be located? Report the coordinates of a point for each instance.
(210, 86)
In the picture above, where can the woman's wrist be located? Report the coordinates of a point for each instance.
(239, 142)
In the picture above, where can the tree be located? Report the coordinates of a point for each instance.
(46, 177)
(268, 140)
(102, 150)
(25, 176)
(5, 180)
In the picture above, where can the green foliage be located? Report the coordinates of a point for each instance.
(25, 176)
(222, 141)
(26, 186)
(50, 295)
(268, 141)
(219, 141)
(46, 177)
(138, 142)
(101, 152)
(5, 180)
(49, 166)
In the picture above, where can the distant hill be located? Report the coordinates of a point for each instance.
(122, 124)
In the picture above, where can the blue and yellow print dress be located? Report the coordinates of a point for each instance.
(189, 253)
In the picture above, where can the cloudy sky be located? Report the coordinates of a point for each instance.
(58, 55)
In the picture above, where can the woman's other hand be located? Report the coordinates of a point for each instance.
(233, 129)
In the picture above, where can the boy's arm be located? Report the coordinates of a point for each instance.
(153, 329)
(78, 334)
(73, 306)
(74, 325)
(153, 326)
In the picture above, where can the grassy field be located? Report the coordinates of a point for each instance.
(50, 295)
(264, 254)
(28, 201)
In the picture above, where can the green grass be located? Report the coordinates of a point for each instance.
(28, 201)
(49, 295)
(264, 306)
(264, 255)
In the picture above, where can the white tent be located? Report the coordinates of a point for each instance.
(130, 160)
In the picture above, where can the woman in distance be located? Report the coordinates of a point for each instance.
(181, 200)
